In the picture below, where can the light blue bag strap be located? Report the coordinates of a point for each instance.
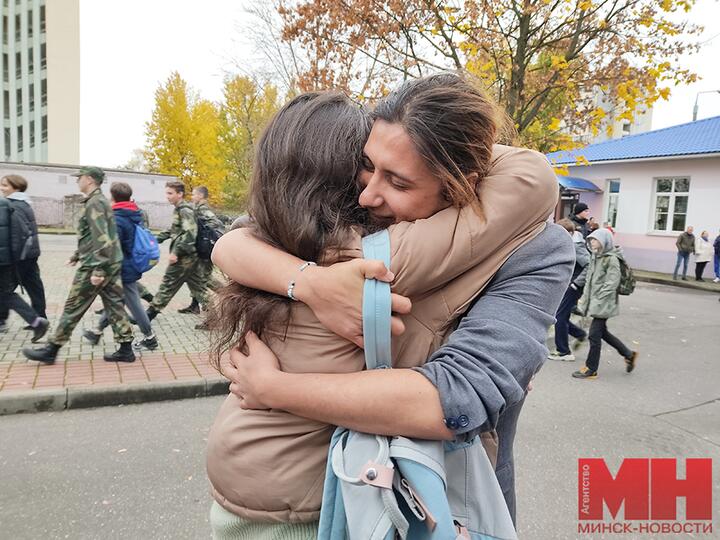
(376, 305)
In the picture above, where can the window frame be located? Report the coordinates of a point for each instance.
(671, 195)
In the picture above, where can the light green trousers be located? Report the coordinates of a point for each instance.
(227, 526)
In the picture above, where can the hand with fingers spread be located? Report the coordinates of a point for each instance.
(250, 373)
(334, 293)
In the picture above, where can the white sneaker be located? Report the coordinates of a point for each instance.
(561, 357)
(716, 280)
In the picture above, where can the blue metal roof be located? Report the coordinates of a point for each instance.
(700, 137)
(577, 184)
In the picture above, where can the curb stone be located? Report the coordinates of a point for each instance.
(677, 283)
(61, 399)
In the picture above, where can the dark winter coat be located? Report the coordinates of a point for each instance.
(24, 231)
(5, 250)
(581, 224)
(126, 219)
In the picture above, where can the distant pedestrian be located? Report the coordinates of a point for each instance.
(716, 258)
(9, 299)
(127, 218)
(703, 254)
(204, 267)
(600, 301)
(183, 253)
(581, 217)
(685, 244)
(100, 258)
(26, 245)
(563, 325)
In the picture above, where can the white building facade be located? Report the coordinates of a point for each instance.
(650, 199)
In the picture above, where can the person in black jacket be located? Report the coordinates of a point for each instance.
(580, 217)
(127, 217)
(9, 299)
(26, 245)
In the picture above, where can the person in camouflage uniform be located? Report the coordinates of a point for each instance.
(183, 255)
(100, 259)
(204, 267)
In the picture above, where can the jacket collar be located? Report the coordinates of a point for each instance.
(20, 196)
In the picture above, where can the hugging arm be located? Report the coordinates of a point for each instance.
(484, 368)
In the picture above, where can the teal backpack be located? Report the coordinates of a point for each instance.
(384, 488)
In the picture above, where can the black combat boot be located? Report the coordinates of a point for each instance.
(148, 297)
(46, 354)
(123, 354)
(193, 308)
(152, 313)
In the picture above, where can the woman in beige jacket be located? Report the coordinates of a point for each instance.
(267, 466)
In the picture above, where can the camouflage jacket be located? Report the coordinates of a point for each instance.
(182, 232)
(206, 215)
(98, 245)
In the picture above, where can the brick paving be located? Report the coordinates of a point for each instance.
(181, 354)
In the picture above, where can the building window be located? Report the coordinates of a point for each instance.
(43, 56)
(42, 18)
(29, 24)
(31, 61)
(18, 65)
(7, 143)
(6, 69)
(671, 203)
(18, 101)
(18, 32)
(43, 93)
(32, 133)
(20, 138)
(613, 189)
(31, 97)
(43, 133)
(6, 104)
(5, 29)
(626, 128)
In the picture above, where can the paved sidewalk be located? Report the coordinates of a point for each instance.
(667, 279)
(180, 362)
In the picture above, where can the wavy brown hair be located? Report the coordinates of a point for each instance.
(453, 125)
(303, 200)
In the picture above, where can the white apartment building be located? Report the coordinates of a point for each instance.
(40, 63)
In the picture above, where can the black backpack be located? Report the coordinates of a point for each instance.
(210, 229)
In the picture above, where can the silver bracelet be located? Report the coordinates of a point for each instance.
(291, 285)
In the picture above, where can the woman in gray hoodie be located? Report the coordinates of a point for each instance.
(600, 301)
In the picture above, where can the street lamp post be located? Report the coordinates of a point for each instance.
(697, 96)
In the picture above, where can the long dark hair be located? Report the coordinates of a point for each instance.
(303, 200)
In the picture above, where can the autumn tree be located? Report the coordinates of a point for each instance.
(182, 137)
(246, 108)
(560, 68)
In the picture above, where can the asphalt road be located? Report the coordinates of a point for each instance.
(138, 471)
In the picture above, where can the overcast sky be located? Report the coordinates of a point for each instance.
(129, 47)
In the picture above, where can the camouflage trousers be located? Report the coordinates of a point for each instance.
(206, 269)
(81, 296)
(183, 271)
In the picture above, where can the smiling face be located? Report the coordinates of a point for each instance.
(397, 184)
